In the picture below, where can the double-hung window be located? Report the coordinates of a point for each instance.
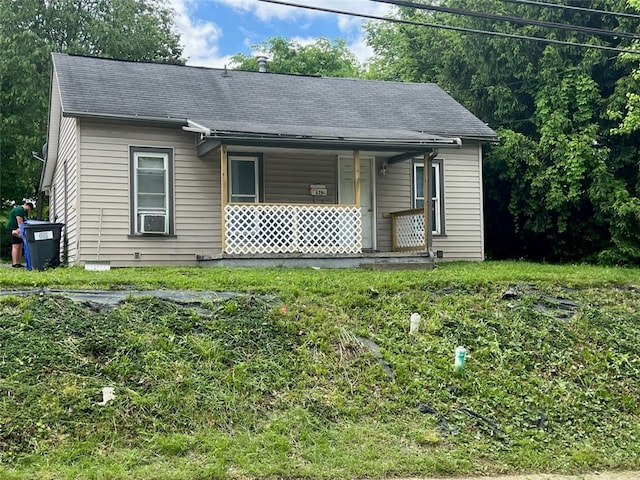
(151, 192)
(245, 177)
(435, 189)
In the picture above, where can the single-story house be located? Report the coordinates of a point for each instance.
(160, 164)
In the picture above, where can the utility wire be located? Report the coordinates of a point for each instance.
(449, 27)
(506, 18)
(557, 72)
(570, 7)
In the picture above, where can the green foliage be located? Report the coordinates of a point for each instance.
(324, 58)
(245, 388)
(563, 182)
(171, 368)
(30, 31)
(627, 111)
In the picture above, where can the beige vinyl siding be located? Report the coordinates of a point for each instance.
(394, 195)
(63, 194)
(287, 177)
(462, 196)
(105, 184)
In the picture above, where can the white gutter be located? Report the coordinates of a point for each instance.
(197, 128)
(127, 118)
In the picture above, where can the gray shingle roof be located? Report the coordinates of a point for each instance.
(262, 103)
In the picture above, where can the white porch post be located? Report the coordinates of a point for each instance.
(356, 190)
(224, 185)
(427, 200)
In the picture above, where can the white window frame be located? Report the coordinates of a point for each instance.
(137, 211)
(256, 197)
(436, 195)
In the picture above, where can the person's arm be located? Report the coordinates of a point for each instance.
(20, 221)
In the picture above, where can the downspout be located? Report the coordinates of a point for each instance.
(40, 196)
(65, 238)
(224, 196)
(40, 191)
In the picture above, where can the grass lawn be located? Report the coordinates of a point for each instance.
(313, 373)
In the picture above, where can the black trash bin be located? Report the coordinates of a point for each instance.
(41, 243)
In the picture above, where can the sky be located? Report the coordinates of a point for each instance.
(214, 30)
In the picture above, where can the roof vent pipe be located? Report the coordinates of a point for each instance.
(262, 64)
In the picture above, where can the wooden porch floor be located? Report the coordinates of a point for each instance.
(370, 260)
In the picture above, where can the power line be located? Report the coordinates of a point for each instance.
(506, 18)
(553, 72)
(570, 7)
(449, 27)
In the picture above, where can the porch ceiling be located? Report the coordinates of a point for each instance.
(210, 148)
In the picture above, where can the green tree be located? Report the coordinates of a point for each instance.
(323, 57)
(617, 189)
(551, 182)
(30, 30)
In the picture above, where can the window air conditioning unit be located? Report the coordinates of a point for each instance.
(153, 223)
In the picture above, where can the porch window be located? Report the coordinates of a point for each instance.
(245, 174)
(151, 191)
(437, 207)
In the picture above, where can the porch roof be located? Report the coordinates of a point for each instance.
(301, 136)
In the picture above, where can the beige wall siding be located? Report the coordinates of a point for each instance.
(104, 184)
(63, 199)
(463, 238)
(462, 194)
(394, 195)
(105, 181)
(287, 177)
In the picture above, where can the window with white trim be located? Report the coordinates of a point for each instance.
(151, 191)
(435, 187)
(245, 177)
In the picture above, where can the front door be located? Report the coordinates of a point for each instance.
(346, 194)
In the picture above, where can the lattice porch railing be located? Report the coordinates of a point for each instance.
(268, 228)
(407, 228)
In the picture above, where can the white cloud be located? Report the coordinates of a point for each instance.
(304, 41)
(268, 11)
(349, 26)
(202, 39)
(361, 50)
(199, 38)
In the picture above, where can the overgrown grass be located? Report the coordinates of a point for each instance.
(291, 281)
(278, 382)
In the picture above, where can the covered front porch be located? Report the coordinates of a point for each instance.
(315, 236)
(337, 225)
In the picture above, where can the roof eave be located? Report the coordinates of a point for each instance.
(389, 145)
(173, 121)
(480, 138)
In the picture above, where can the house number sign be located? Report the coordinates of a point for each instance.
(46, 235)
(318, 190)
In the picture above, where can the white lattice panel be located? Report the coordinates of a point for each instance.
(410, 231)
(327, 229)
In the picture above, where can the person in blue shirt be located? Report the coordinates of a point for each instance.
(17, 216)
